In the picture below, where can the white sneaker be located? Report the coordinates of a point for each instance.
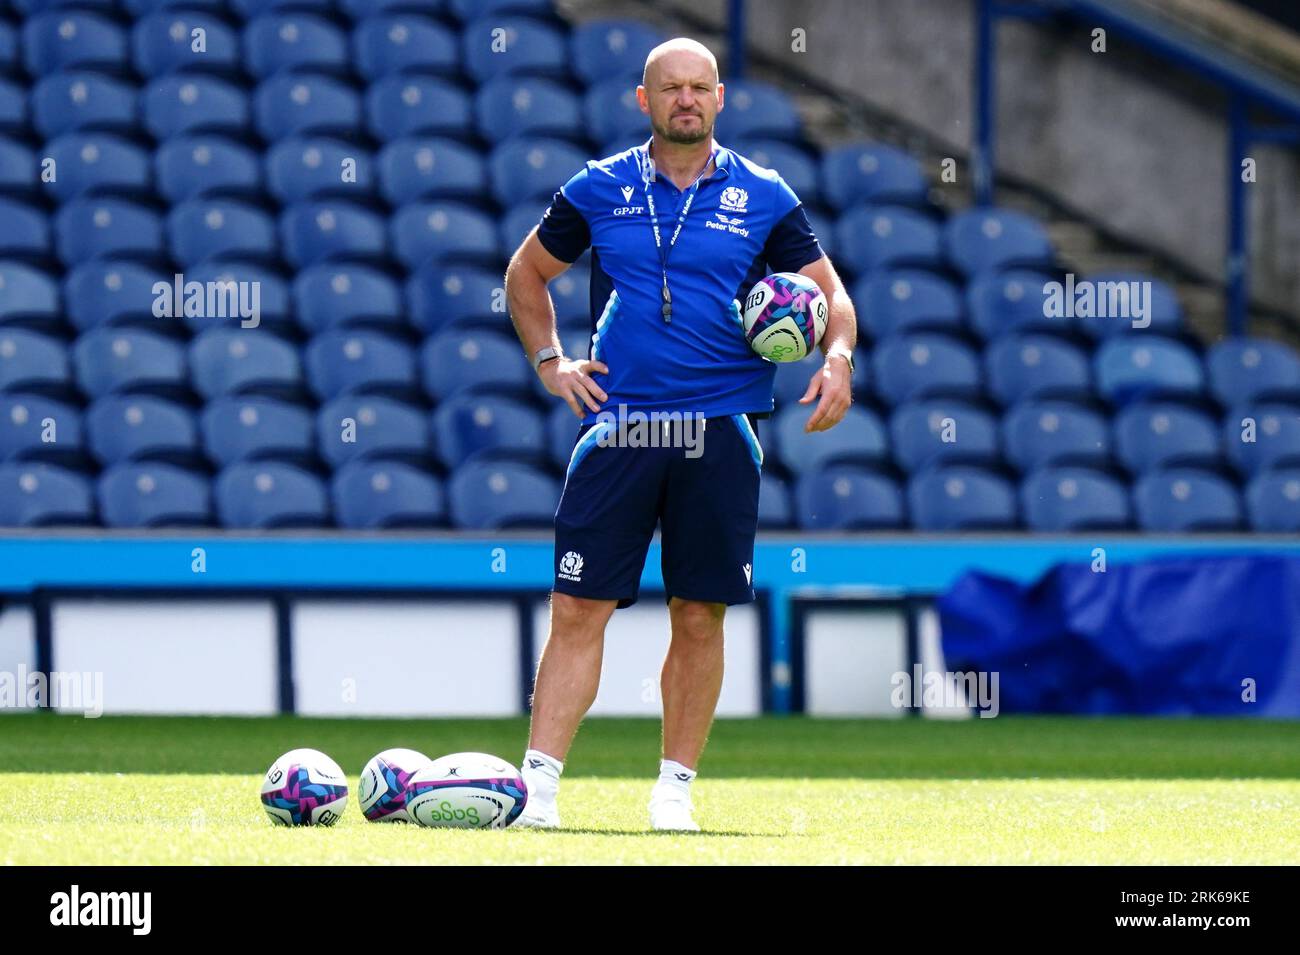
(538, 814)
(670, 811)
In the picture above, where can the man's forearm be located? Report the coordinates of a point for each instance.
(841, 325)
(531, 309)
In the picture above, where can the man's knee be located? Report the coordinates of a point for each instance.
(696, 619)
(578, 618)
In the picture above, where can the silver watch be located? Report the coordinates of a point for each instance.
(545, 354)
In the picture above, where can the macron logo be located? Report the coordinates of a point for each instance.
(749, 574)
(627, 193)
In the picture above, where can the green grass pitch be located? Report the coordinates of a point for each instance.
(137, 790)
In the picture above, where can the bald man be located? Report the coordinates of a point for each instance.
(680, 228)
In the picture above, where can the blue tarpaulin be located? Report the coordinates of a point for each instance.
(1179, 636)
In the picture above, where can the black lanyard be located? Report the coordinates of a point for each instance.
(647, 180)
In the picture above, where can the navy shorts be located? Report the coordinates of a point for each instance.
(699, 486)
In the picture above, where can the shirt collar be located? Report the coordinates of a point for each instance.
(721, 159)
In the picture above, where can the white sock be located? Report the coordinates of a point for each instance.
(541, 775)
(676, 776)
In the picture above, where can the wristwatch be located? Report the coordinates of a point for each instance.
(846, 355)
(545, 354)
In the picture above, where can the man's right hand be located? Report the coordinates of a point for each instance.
(571, 380)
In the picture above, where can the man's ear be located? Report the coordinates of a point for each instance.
(721, 95)
(642, 100)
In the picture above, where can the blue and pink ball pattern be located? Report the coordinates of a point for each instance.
(300, 797)
(784, 316)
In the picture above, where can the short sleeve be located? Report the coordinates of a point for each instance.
(563, 230)
(791, 244)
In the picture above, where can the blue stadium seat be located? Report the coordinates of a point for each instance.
(94, 164)
(335, 296)
(469, 425)
(293, 42)
(32, 361)
(138, 427)
(43, 495)
(251, 427)
(752, 109)
(1065, 500)
(986, 240)
(401, 105)
(1276, 435)
(860, 437)
(1140, 367)
(67, 102)
(140, 8)
(491, 495)
(201, 167)
(153, 494)
(18, 168)
(1245, 370)
(868, 238)
(519, 221)
(522, 169)
(370, 495)
(775, 512)
(526, 46)
(263, 288)
(188, 103)
(427, 167)
(844, 497)
(571, 295)
(961, 498)
(1036, 366)
(1273, 502)
(10, 61)
(247, 9)
(443, 231)
(612, 114)
(1004, 303)
(330, 230)
(350, 361)
(466, 9)
(13, 108)
(1185, 499)
(167, 42)
(942, 431)
(437, 296)
(109, 360)
(63, 39)
(308, 168)
(27, 296)
(906, 300)
(1163, 434)
(562, 435)
(924, 365)
(602, 49)
(228, 361)
(526, 106)
(352, 427)
(1036, 434)
(363, 9)
(32, 7)
(26, 231)
(290, 104)
(35, 427)
(404, 43)
(110, 293)
(204, 229)
(869, 173)
(270, 494)
(1117, 302)
(793, 164)
(456, 360)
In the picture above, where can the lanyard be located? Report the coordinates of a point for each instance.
(647, 180)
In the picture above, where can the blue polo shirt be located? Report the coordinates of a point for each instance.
(745, 222)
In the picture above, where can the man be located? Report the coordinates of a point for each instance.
(680, 229)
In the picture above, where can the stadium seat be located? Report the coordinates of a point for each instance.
(1157, 435)
(95, 164)
(860, 437)
(109, 360)
(458, 360)
(427, 167)
(68, 102)
(10, 60)
(110, 293)
(247, 9)
(775, 512)
(251, 427)
(527, 168)
(204, 229)
(331, 230)
(308, 168)
(141, 8)
(1008, 302)
(942, 431)
(13, 108)
(26, 232)
(571, 296)
(792, 163)
(401, 105)
(168, 42)
(1065, 499)
(18, 168)
(519, 222)
(153, 494)
(961, 498)
(492, 45)
(1273, 502)
(352, 427)
(987, 240)
(1036, 366)
(924, 365)
(441, 295)
(526, 106)
(1244, 370)
(263, 288)
(292, 104)
(1184, 499)
(843, 497)
(269, 494)
(612, 114)
(906, 300)
(1116, 305)
(62, 39)
(34, 427)
(470, 425)
(228, 361)
(364, 9)
(293, 42)
(868, 173)
(443, 232)
(465, 9)
(753, 110)
(1036, 434)
(603, 49)
(43, 495)
(203, 167)
(189, 103)
(869, 238)
(373, 495)
(30, 361)
(88, 229)
(137, 427)
(357, 361)
(494, 495)
(404, 43)
(28, 296)
(336, 296)
(1141, 367)
(1275, 429)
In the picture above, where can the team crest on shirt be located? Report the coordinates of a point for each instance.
(734, 199)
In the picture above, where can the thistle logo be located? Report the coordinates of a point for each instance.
(571, 567)
(734, 199)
